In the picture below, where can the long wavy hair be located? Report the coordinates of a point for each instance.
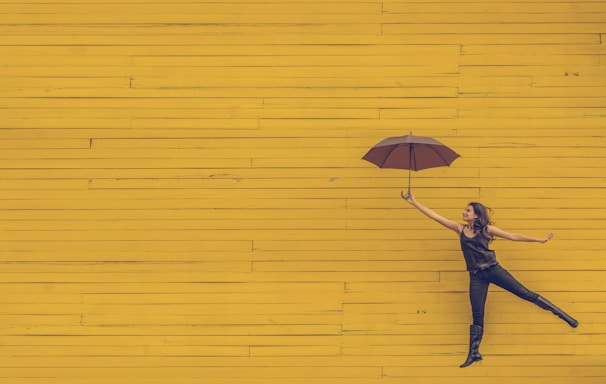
(479, 225)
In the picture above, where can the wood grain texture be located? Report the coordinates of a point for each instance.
(183, 200)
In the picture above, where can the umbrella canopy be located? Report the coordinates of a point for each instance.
(410, 152)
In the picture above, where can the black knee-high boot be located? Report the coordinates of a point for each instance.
(547, 305)
(475, 337)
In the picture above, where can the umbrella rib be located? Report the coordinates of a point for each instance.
(393, 148)
(439, 154)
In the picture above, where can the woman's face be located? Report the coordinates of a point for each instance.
(469, 214)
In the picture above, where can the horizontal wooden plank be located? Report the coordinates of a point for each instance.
(144, 85)
(334, 8)
(362, 13)
(448, 259)
(225, 267)
(202, 203)
(234, 224)
(420, 69)
(148, 112)
(297, 61)
(562, 338)
(556, 372)
(545, 168)
(525, 92)
(541, 275)
(389, 245)
(363, 143)
(225, 197)
(568, 81)
(74, 123)
(447, 349)
(382, 186)
(572, 49)
(404, 266)
(50, 143)
(175, 35)
(546, 360)
(516, 127)
(448, 2)
(349, 94)
(534, 70)
(201, 327)
(398, 183)
(196, 276)
(432, 299)
(198, 147)
(455, 27)
(45, 320)
(159, 8)
(521, 16)
(459, 325)
(307, 96)
(129, 245)
(212, 151)
(363, 97)
(349, 380)
(568, 236)
(319, 27)
(147, 287)
(164, 163)
(493, 6)
(126, 103)
(11, 84)
(88, 127)
(125, 222)
(194, 313)
(176, 340)
(211, 372)
(212, 47)
(333, 350)
(277, 297)
(415, 312)
(49, 299)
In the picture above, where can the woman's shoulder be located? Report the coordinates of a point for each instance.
(460, 227)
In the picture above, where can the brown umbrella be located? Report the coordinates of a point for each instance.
(410, 152)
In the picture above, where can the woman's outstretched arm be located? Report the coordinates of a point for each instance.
(450, 224)
(494, 231)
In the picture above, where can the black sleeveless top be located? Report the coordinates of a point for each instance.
(476, 252)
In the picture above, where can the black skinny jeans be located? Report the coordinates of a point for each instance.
(478, 289)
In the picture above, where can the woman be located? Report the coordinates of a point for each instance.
(483, 267)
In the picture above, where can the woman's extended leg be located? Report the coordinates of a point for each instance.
(501, 277)
(549, 306)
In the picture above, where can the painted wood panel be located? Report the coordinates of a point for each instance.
(183, 200)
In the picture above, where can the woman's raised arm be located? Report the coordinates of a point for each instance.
(450, 224)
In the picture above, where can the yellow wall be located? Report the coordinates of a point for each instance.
(183, 200)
